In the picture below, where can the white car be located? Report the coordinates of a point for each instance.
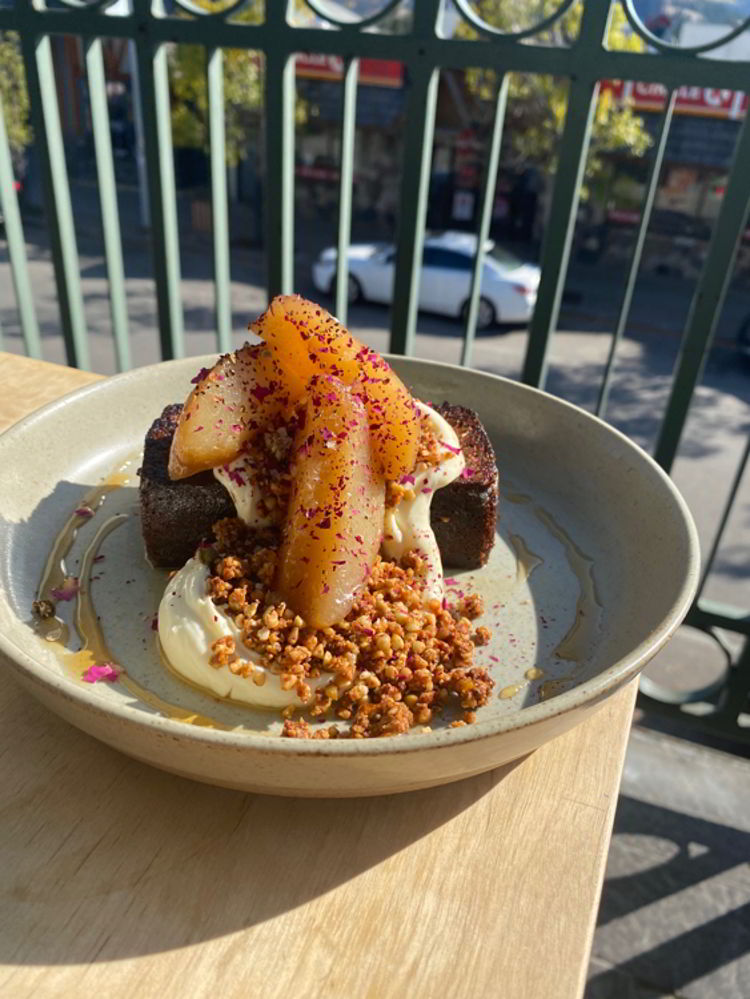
(508, 289)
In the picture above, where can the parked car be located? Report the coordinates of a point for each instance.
(507, 292)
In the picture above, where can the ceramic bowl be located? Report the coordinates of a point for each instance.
(594, 567)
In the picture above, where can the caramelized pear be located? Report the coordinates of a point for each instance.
(305, 339)
(336, 510)
(229, 405)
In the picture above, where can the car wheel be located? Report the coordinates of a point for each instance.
(486, 315)
(353, 290)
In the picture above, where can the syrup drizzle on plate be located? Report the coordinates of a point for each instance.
(94, 649)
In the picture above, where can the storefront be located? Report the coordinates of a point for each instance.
(697, 160)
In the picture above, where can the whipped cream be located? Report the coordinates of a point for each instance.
(235, 477)
(407, 526)
(189, 623)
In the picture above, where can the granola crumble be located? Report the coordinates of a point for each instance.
(395, 662)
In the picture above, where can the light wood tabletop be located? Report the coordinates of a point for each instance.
(118, 880)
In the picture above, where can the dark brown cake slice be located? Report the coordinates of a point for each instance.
(463, 513)
(177, 516)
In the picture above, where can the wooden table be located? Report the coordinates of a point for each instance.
(120, 881)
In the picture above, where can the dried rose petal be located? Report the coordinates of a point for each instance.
(467, 473)
(101, 671)
(260, 392)
(200, 376)
(84, 511)
(455, 450)
(68, 590)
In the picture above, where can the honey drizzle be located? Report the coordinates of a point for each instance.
(94, 649)
(526, 560)
(574, 644)
(54, 629)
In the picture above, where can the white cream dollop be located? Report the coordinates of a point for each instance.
(407, 526)
(190, 622)
(235, 477)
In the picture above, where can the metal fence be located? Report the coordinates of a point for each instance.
(423, 49)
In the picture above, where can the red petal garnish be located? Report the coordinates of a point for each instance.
(467, 473)
(455, 450)
(260, 392)
(101, 671)
(68, 589)
(200, 376)
(84, 511)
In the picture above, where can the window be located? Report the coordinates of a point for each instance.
(446, 259)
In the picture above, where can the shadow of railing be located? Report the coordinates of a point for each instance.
(707, 863)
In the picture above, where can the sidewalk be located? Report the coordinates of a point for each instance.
(674, 919)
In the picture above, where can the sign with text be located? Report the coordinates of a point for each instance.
(708, 101)
(372, 72)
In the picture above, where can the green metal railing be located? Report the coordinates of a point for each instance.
(424, 51)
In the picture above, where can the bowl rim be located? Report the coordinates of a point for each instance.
(588, 693)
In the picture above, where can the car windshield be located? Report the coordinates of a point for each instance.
(504, 257)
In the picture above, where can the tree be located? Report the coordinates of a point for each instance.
(13, 94)
(537, 103)
(243, 89)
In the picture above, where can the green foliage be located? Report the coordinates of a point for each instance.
(537, 103)
(13, 93)
(243, 90)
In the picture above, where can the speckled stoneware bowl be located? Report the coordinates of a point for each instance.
(594, 567)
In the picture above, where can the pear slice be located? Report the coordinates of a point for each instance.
(306, 339)
(336, 510)
(230, 404)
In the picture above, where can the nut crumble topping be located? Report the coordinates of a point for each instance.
(396, 662)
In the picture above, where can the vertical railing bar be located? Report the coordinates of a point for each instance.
(348, 129)
(16, 247)
(279, 118)
(279, 140)
(418, 137)
(635, 261)
(421, 105)
(105, 171)
(219, 207)
(558, 236)
(708, 300)
(725, 514)
(45, 116)
(582, 95)
(488, 201)
(153, 80)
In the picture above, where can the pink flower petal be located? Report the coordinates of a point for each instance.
(84, 511)
(260, 392)
(67, 591)
(101, 671)
(200, 376)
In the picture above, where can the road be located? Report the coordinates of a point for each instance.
(714, 435)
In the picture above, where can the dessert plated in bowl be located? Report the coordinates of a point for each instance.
(593, 567)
